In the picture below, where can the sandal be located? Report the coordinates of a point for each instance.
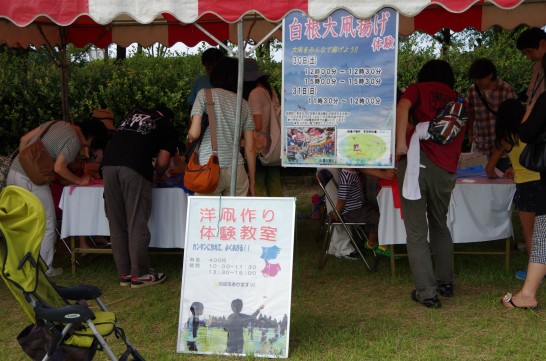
(507, 302)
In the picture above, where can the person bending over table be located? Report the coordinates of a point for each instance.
(528, 185)
(128, 174)
(63, 142)
(427, 192)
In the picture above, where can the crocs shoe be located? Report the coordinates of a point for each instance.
(367, 245)
(521, 275)
(383, 251)
(380, 250)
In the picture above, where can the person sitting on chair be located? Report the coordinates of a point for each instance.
(353, 207)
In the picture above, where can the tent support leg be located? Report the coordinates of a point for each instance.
(63, 66)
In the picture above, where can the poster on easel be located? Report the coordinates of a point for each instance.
(339, 90)
(237, 276)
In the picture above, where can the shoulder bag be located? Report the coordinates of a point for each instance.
(533, 156)
(204, 178)
(272, 155)
(484, 101)
(36, 161)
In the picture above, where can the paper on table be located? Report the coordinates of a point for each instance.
(466, 180)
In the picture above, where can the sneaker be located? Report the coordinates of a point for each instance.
(432, 302)
(445, 289)
(353, 256)
(147, 280)
(54, 272)
(125, 280)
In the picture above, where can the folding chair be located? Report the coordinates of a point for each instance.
(60, 330)
(355, 231)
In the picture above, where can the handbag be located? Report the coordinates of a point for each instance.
(5, 164)
(204, 178)
(36, 161)
(533, 156)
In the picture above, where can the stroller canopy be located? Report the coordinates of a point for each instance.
(22, 221)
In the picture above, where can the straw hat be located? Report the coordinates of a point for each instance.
(106, 116)
(252, 73)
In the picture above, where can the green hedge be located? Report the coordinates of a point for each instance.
(30, 89)
(30, 83)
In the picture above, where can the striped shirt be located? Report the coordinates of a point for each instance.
(225, 107)
(350, 190)
(60, 138)
(483, 118)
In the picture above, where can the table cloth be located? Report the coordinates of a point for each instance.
(479, 210)
(83, 214)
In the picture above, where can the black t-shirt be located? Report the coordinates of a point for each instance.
(528, 132)
(138, 139)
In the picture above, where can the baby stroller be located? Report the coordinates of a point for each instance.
(61, 329)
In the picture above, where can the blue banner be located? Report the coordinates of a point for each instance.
(339, 90)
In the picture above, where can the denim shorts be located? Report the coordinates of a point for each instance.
(527, 195)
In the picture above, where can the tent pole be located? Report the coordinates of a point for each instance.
(218, 41)
(63, 66)
(237, 135)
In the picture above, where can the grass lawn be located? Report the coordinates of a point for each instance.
(339, 313)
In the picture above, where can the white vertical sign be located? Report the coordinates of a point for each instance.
(237, 276)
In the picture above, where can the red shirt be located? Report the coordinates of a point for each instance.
(426, 100)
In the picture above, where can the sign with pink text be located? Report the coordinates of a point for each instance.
(237, 276)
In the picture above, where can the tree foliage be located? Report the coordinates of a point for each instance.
(30, 81)
(498, 45)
